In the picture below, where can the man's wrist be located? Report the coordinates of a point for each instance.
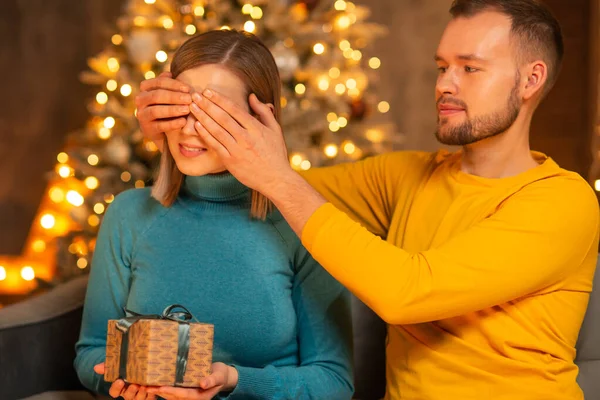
(295, 199)
(283, 184)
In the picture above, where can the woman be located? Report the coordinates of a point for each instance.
(202, 239)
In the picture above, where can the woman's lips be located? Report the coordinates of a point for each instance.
(191, 151)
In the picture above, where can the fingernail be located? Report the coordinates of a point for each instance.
(184, 109)
(197, 97)
(208, 93)
(195, 107)
(185, 89)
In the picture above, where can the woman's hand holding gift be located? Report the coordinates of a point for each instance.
(129, 392)
(224, 378)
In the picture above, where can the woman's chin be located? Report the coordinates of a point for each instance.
(219, 171)
(200, 170)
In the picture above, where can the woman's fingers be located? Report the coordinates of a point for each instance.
(99, 368)
(116, 388)
(130, 392)
(141, 394)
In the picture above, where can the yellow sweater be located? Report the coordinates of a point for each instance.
(484, 283)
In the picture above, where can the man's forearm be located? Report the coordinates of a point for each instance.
(296, 200)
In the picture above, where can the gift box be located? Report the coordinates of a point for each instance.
(159, 350)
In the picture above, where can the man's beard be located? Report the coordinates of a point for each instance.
(483, 127)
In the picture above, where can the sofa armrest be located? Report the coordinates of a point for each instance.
(370, 333)
(37, 342)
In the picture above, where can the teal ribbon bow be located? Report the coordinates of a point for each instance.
(183, 348)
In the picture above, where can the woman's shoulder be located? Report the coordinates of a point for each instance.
(286, 232)
(276, 219)
(133, 204)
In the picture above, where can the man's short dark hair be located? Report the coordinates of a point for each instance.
(537, 32)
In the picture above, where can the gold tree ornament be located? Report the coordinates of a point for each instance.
(142, 46)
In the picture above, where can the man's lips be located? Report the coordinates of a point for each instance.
(448, 109)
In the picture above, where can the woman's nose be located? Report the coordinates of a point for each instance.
(188, 128)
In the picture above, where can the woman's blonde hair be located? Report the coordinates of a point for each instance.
(247, 57)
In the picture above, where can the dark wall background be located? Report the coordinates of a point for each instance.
(563, 125)
(46, 44)
(44, 47)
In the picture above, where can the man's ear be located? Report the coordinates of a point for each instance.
(537, 74)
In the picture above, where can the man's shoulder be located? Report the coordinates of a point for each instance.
(563, 182)
(558, 196)
(568, 187)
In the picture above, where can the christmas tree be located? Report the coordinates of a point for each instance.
(330, 111)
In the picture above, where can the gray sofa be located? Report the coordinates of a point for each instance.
(37, 340)
(588, 345)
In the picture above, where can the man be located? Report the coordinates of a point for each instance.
(480, 261)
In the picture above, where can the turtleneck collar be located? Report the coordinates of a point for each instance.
(215, 188)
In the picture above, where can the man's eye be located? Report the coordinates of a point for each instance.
(470, 69)
(442, 69)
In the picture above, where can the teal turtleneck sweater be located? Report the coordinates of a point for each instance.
(280, 319)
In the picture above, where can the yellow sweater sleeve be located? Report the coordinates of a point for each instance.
(538, 237)
(368, 190)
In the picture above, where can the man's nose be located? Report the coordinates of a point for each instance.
(446, 83)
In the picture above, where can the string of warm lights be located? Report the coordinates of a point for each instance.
(328, 103)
